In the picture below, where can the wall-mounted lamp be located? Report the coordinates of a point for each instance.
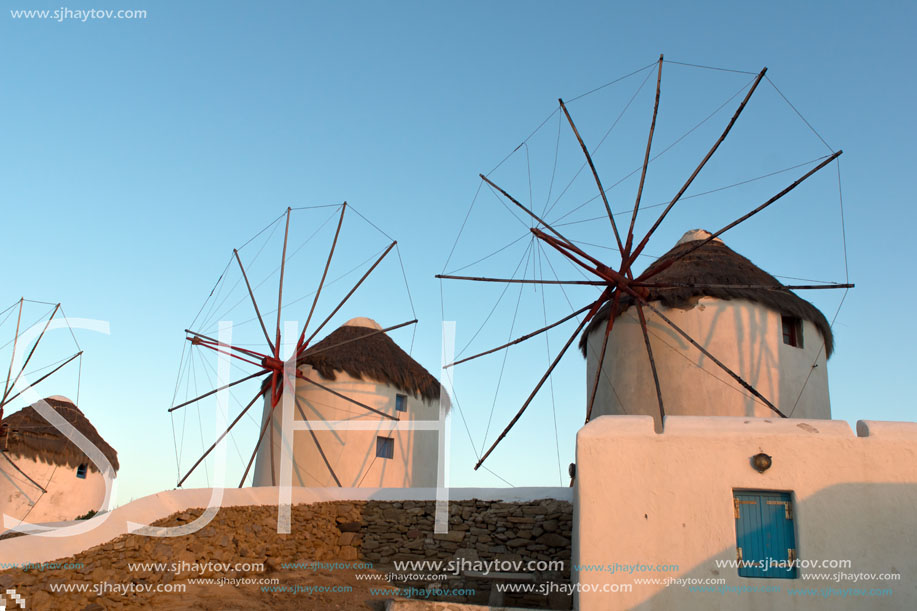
(761, 462)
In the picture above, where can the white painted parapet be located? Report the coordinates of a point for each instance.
(664, 500)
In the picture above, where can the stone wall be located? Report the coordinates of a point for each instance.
(478, 531)
(377, 532)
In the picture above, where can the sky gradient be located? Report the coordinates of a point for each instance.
(134, 155)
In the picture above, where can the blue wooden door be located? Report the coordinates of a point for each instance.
(765, 536)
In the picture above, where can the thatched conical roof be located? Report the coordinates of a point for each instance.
(376, 357)
(716, 263)
(31, 436)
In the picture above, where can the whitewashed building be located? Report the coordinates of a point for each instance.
(775, 340)
(725, 505)
(45, 477)
(351, 370)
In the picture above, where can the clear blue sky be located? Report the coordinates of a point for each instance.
(135, 154)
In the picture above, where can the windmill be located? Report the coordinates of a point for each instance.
(27, 440)
(618, 284)
(264, 367)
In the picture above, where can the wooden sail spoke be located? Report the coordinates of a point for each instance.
(534, 392)
(636, 253)
(219, 439)
(305, 344)
(283, 264)
(598, 371)
(314, 350)
(220, 348)
(715, 360)
(318, 292)
(22, 473)
(649, 353)
(646, 162)
(209, 340)
(216, 390)
(267, 423)
(12, 385)
(595, 175)
(317, 444)
(768, 287)
(305, 378)
(254, 301)
(599, 269)
(520, 339)
(745, 217)
(526, 210)
(9, 374)
(42, 378)
(521, 280)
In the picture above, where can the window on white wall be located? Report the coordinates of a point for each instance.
(81, 471)
(401, 403)
(765, 534)
(792, 331)
(385, 447)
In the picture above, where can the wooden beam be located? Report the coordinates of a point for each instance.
(520, 280)
(31, 353)
(595, 175)
(215, 342)
(767, 287)
(312, 351)
(317, 444)
(216, 390)
(352, 291)
(521, 339)
(636, 253)
(221, 437)
(23, 473)
(649, 352)
(598, 371)
(526, 210)
(43, 378)
(646, 162)
(745, 217)
(267, 423)
(9, 374)
(302, 337)
(283, 264)
(302, 376)
(715, 360)
(254, 302)
(533, 393)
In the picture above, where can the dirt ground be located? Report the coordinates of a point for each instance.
(228, 596)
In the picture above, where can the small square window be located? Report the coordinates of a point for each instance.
(792, 331)
(81, 472)
(385, 447)
(401, 403)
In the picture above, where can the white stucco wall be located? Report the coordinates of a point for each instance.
(351, 453)
(643, 497)
(745, 336)
(67, 496)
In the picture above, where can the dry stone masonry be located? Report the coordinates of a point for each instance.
(377, 532)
